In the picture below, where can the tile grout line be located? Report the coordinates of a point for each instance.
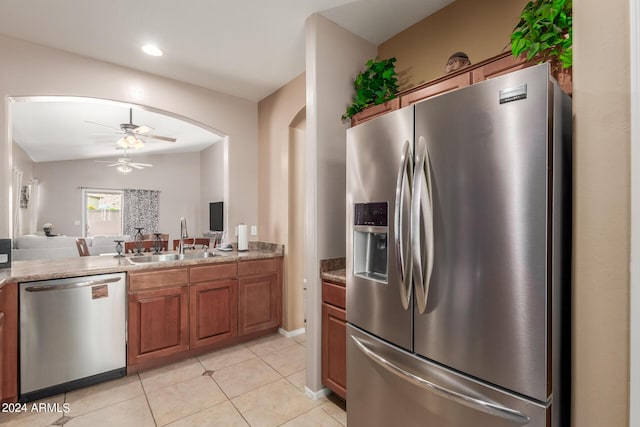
(144, 390)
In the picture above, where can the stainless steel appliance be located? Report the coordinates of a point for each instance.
(467, 322)
(72, 333)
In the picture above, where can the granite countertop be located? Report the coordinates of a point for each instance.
(333, 269)
(46, 269)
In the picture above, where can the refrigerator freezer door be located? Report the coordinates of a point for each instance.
(376, 172)
(486, 313)
(391, 387)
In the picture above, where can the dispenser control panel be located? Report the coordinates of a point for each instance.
(374, 214)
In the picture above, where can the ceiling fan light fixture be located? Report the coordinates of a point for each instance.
(130, 141)
(151, 49)
(125, 169)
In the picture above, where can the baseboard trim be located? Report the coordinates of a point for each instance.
(291, 334)
(316, 395)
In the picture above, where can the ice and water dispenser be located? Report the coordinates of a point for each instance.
(370, 241)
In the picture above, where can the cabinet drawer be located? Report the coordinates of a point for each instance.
(158, 279)
(334, 294)
(213, 272)
(250, 268)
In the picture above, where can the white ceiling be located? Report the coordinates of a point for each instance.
(55, 128)
(245, 48)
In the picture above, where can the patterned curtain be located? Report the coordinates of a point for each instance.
(140, 209)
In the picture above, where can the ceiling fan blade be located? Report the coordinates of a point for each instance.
(146, 165)
(103, 161)
(100, 124)
(134, 165)
(140, 130)
(161, 138)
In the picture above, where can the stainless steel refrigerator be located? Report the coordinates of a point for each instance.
(458, 259)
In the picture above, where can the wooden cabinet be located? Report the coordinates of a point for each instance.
(158, 314)
(213, 304)
(259, 295)
(438, 88)
(173, 311)
(497, 67)
(375, 111)
(490, 68)
(9, 343)
(334, 338)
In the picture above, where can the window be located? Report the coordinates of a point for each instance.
(101, 212)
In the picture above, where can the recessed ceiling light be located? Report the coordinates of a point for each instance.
(151, 49)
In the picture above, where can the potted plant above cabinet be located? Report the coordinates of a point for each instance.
(376, 85)
(545, 34)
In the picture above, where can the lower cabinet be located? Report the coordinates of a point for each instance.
(158, 323)
(334, 338)
(257, 303)
(9, 343)
(174, 310)
(213, 312)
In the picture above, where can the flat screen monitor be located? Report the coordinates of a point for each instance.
(216, 222)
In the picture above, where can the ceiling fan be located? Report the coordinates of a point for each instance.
(125, 165)
(134, 136)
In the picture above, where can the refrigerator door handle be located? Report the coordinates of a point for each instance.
(463, 399)
(422, 216)
(403, 249)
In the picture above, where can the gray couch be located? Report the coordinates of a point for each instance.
(42, 247)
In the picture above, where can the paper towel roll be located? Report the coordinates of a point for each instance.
(243, 244)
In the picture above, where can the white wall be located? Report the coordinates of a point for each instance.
(29, 69)
(334, 57)
(176, 176)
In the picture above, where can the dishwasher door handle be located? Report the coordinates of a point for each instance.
(46, 288)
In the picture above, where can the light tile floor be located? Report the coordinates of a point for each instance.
(259, 383)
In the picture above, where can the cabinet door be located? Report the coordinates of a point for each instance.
(213, 312)
(499, 67)
(158, 323)
(439, 88)
(334, 349)
(9, 343)
(257, 303)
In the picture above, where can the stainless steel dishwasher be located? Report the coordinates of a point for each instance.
(72, 333)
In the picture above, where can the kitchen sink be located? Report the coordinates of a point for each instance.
(169, 257)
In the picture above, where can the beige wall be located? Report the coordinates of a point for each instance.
(22, 162)
(480, 30)
(61, 199)
(275, 116)
(213, 181)
(334, 58)
(29, 69)
(601, 214)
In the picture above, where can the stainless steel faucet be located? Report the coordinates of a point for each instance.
(183, 235)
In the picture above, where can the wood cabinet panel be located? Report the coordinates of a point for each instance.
(213, 272)
(158, 279)
(432, 90)
(334, 294)
(375, 111)
(258, 303)
(158, 323)
(498, 67)
(9, 343)
(251, 268)
(213, 312)
(334, 349)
